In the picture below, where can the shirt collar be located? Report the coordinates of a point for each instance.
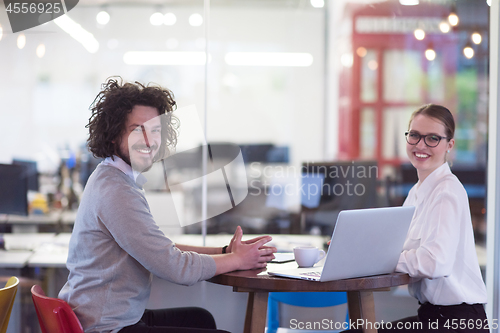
(121, 165)
(428, 184)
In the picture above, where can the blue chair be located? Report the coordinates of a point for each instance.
(304, 299)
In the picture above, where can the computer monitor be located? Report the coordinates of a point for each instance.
(354, 181)
(278, 154)
(13, 189)
(256, 152)
(330, 187)
(31, 173)
(473, 178)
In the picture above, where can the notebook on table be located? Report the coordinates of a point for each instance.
(365, 242)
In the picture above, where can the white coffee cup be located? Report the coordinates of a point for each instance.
(307, 256)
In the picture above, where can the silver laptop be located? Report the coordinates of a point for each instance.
(365, 242)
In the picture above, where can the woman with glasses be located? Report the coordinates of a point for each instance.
(439, 248)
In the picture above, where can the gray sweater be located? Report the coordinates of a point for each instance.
(115, 249)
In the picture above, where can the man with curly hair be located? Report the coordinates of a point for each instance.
(116, 246)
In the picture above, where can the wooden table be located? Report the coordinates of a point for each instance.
(359, 293)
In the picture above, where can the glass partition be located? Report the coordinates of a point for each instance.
(293, 81)
(291, 84)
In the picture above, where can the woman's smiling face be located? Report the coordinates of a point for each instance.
(426, 159)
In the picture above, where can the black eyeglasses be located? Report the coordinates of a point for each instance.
(431, 140)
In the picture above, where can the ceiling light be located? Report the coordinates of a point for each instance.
(361, 51)
(373, 65)
(346, 60)
(169, 19)
(195, 20)
(268, 59)
(419, 34)
(40, 51)
(164, 58)
(444, 27)
(76, 31)
(488, 2)
(453, 19)
(476, 38)
(408, 2)
(102, 17)
(468, 52)
(1, 32)
(430, 54)
(318, 3)
(21, 41)
(156, 19)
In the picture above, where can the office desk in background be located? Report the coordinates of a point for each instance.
(19, 248)
(53, 253)
(55, 221)
(14, 259)
(46, 251)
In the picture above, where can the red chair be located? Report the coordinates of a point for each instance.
(54, 315)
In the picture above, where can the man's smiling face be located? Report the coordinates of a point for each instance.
(141, 139)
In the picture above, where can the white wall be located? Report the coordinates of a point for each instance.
(45, 101)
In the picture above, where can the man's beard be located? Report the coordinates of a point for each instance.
(139, 166)
(118, 152)
(124, 158)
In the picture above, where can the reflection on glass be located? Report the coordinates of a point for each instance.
(468, 52)
(430, 54)
(361, 51)
(156, 163)
(403, 76)
(369, 67)
(444, 27)
(419, 34)
(368, 133)
(396, 121)
(436, 80)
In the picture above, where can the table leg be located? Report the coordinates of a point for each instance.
(362, 309)
(255, 319)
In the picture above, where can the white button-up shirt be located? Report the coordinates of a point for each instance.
(440, 246)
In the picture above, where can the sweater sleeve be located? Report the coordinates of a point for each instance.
(125, 214)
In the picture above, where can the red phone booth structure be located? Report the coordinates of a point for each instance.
(402, 57)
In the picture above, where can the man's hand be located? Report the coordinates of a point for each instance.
(250, 241)
(250, 254)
